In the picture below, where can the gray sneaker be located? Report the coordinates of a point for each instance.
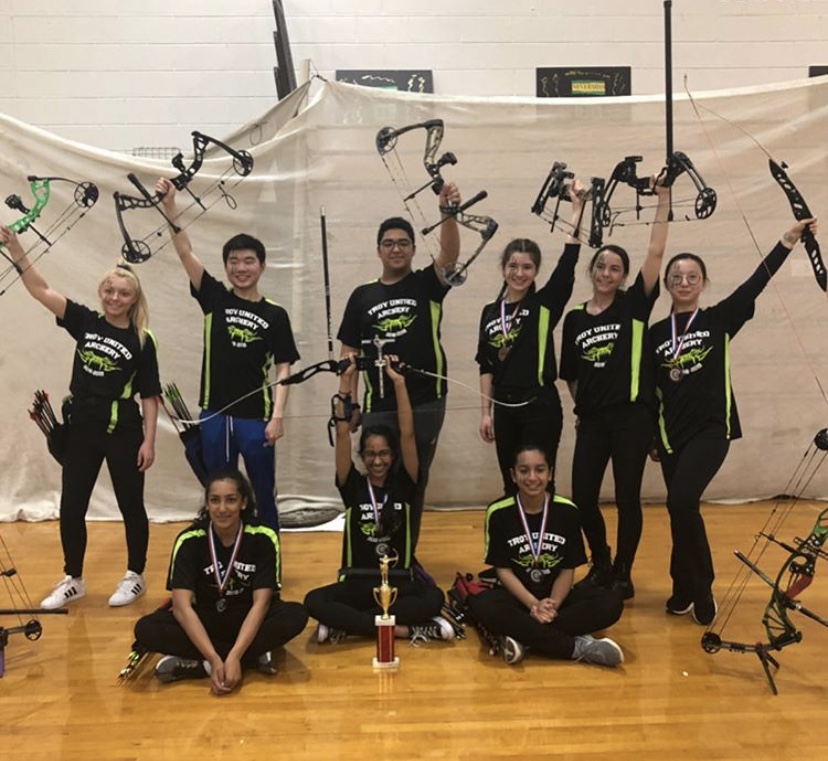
(604, 652)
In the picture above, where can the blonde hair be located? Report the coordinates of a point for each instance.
(139, 311)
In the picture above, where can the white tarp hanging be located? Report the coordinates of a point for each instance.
(324, 155)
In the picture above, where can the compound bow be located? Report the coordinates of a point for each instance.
(625, 173)
(84, 197)
(22, 606)
(556, 186)
(138, 250)
(485, 226)
(796, 574)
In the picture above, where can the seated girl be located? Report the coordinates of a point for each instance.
(225, 578)
(534, 542)
(378, 522)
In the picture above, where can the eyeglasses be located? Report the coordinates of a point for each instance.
(691, 278)
(382, 454)
(389, 245)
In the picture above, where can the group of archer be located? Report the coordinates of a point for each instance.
(627, 381)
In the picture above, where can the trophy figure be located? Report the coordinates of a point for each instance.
(385, 595)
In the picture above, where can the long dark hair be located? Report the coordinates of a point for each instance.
(249, 515)
(519, 246)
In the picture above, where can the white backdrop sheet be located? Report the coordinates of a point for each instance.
(321, 153)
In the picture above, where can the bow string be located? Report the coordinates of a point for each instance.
(484, 226)
(137, 250)
(795, 575)
(84, 197)
(556, 186)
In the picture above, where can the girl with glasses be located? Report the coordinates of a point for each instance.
(379, 515)
(697, 410)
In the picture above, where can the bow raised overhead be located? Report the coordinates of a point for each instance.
(138, 249)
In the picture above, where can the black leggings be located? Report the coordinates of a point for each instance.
(539, 422)
(585, 610)
(161, 633)
(86, 449)
(622, 434)
(350, 606)
(687, 474)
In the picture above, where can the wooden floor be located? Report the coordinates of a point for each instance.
(670, 700)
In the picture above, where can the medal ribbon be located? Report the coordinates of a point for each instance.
(223, 579)
(536, 550)
(677, 348)
(377, 508)
(506, 322)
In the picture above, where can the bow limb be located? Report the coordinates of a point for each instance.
(85, 195)
(556, 185)
(386, 142)
(801, 212)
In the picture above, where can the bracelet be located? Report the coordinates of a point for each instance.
(790, 239)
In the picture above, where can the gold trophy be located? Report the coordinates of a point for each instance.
(385, 596)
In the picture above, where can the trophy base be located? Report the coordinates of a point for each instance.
(387, 665)
(385, 658)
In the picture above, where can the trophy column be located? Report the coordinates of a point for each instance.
(385, 595)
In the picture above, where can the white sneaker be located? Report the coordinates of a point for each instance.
(68, 590)
(129, 589)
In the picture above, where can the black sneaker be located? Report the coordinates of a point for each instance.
(678, 605)
(171, 668)
(704, 611)
(438, 628)
(599, 575)
(265, 664)
(622, 581)
(327, 634)
(511, 650)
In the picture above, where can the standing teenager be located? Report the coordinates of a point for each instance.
(115, 360)
(697, 410)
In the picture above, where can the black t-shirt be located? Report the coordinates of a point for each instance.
(407, 314)
(365, 542)
(109, 368)
(508, 547)
(257, 566)
(528, 345)
(609, 354)
(693, 370)
(242, 340)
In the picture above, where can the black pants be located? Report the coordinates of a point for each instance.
(585, 610)
(86, 449)
(428, 422)
(161, 633)
(622, 434)
(350, 606)
(538, 422)
(687, 474)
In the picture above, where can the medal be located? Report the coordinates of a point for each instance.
(675, 372)
(536, 574)
(223, 579)
(505, 328)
